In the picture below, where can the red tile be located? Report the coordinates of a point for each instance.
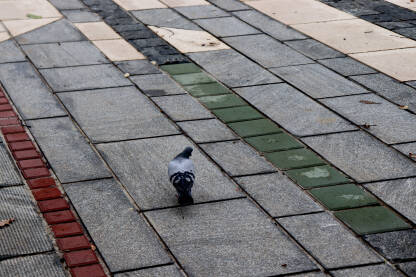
(59, 217)
(9, 121)
(88, 271)
(67, 229)
(53, 205)
(5, 107)
(12, 130)
(17, 137)
(25, 155)
(40, 183)
(33, 173)
(73, 243)
(79, 258)
(4, 101)
(2, 93)
(8, 114)
(33, 163)
(46, 193)
(21, 145)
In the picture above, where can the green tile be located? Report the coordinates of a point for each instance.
(317, 176)
(255, 128)
(222, 101)
(182, 68)
(207, 89)
(294, 159)
(343, 197)
(275, 142)
(237, 114)
(370, 220)
(193, 78)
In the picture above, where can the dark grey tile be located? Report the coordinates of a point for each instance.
(162, 271)
(229, 5)
(157, 85)
(314, 49)
(406, 149)
(204, 11)
(10, 52)
(164, 18)
(226, 26)
(80, 16)
(8, 173)
(42, 265)
(409, 268)
(207, 130)
(347, 66)
(138, 67)
(367, 271)
(67, 4)
(407, 32)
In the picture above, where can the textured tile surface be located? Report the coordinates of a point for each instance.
(10, 52)
(407, 148)
(47, 265)
(157, 85)
(367, 271)
(207, 89)
(274, 142)
(347, 66)
(207, 130)
(226, 26)
(97, 30)
(79, 16)
(204, 11)
(295, 158)
(314, 49)
(255, 127)
(118, 50)
(222, 101)
(8, 173)
(166, 271)
(165, 18)
(137, 67)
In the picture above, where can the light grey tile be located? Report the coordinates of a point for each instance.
(138, 67)
(204, 11)
(367, 271)
(67, 4)
(81, 16)
(409, 268)
(157, 85)
(314, 49)
(164, 18)
(163, 271)
(406, 149)
(226, 26)
(42, 265)
(10, 52)
(207, 130)
(229, 5)
(347, 66)
(8, 173)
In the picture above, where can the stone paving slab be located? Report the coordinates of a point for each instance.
(233, 69)
(164, 18)
(67, 4)
(84, 77)
(229, 5)
(207, 130)
(347, 66)
(42, 265)
(278, 194)
(317, 176)
(367, 271)
(138, 67)
(203, 11)
(409, 268)
(236, 114)
(407, 148)
(8, 173)
(226, 26)
(128, 114)
(81, 16)
(237, 158)
(310, 274)
(165, 271)
(231, 238)
(311, 118)
(157, 85)
(67, 151)
(27, 234)
(146, 177)
(362, 157)
(324, 237)
(317, 81)
(22, 83)
(268, 52)
(122, 236)
(314, 49)
(10, 52)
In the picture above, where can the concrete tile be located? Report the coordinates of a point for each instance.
(295, 158)
(164, 18)
(222, 101)
(253, 128)
(189, 41)
(367, 271)
(412, 84)
(137, 67)
(404, 3)
(229, 5)
(67, 151)
(4, 36)
(103, 207)
(278, 195)
(409, 268)
(67, 4)
(391, 124)
(317, 176)
(361, 156)
(23, 26)
(347, 66)
(182, 107)
(27, 234)
(406, 149)
(11, 10)
(118, 50)
(121, 119)
(184, 3)
(236, 114)
(230, 238)
(157, 85)
(97, 30)
(47, 265)
(204, 11)
(318, 81)
(207, 130)
(211, 89)
(354, 36)
(131, 5)
(8, 173)
(269, 26)
(233, 69)
(399, 194)
(267, 51)
(237, 158)
(84, 77)
(193, 78)
(147, 180)
(22, 83)
(64, 54)
(399, 63)
(10, 52)
(166, 271)
(310, 117)
(79, 16)
(181, 68)
(275, 142)
(226, 26)
(314, 49)
(323, 236)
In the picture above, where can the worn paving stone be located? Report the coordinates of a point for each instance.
(67, 151)
(314, 49)
(407, 32)
(226, 26)
(274, 142)
(27, 234)
(278, 195)
(81, 16)
(229, 5)
(361, 156)
(182, 68)
(395, 246)
(182, 107)
(323, 236)
(8, 173)
(222, 101)
(67, 4)
(207, 130)
(269, 52)
(193, 78)
(295, 158)
(203, 11)
(230, 238)
(236, 114)
(347, 66)
(84, 77)
(317, 81)
(237, 158)
(166, 271)
(409, 268)
(164, 18)
(233, 69)
(389, 88)
(42, 265)
(256, 127)
(59, 31)
(64, 54)
(200, 90)
(103, 207)
(269, 26)
(157, 85)
(121, 119)
(412, 84)
(387, 121)
(138, 67)
(22, 83)
(399, 194)
(406, 149)
(310, 117)
(10, 52)
(147, 180)
(317, 176)
(367, 271)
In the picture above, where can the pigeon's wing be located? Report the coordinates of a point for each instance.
(180, 165)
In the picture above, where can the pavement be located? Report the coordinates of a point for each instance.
(302, 116)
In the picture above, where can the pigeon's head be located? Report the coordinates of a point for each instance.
(187, 152)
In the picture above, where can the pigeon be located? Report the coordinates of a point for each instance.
(181, 175)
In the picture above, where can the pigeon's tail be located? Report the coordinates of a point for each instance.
(183, 183)
(185, 199)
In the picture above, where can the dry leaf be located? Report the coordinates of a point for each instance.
(367, 126)
(368, 102)
(404, 107)
(127, 75)
(412, 155)
(6, 222)
(93, 247)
